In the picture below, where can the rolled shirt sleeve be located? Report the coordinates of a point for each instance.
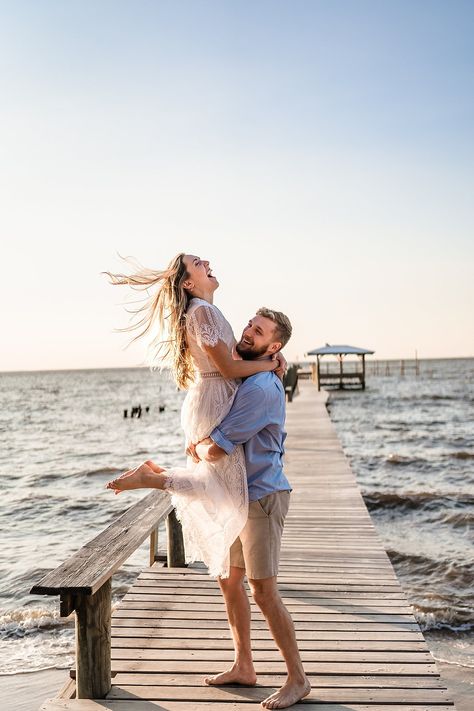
(246, 417)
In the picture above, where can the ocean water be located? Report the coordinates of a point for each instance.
(63, 436)
(410, 441)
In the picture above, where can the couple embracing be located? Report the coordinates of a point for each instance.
(232, 497)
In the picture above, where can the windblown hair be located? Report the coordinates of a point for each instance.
(282, 324)
(162, 315)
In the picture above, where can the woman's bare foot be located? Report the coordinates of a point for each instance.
(237, 674)
(290, 693)
(146, 476)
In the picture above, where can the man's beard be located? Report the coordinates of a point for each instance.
(249, 352)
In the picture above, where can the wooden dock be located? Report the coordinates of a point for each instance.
(359, 641)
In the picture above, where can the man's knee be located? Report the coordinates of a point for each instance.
(265, 592)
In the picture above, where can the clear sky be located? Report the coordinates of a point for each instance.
(320, 154)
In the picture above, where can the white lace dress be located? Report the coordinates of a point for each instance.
(211, 500)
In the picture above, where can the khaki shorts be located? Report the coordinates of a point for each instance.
(257, 549)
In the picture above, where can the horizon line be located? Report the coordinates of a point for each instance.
(142, 367)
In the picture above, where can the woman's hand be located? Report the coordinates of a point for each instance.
(282, 366)
(197, 450)
(222, 358)
(191, 452)
(235, 355)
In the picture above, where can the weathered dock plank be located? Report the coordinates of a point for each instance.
(359, 641)
(137, 704)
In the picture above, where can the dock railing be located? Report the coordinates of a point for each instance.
(84, 584)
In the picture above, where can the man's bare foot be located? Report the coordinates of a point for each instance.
(290, 693)
(146, 476)
(237, 674)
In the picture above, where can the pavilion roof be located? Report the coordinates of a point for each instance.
(339, 350)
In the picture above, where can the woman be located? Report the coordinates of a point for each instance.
(211, 500)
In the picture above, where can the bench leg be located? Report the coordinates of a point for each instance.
(93, 625)
(176, 553)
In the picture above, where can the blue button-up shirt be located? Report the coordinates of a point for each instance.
(256, 420)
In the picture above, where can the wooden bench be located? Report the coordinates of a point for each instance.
(83, 583)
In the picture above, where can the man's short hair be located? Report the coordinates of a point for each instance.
(282, 324)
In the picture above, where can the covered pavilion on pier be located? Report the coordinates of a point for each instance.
(338, 377)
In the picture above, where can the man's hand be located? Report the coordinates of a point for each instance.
(282, 367)
(206, 450)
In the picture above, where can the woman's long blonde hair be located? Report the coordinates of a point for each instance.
(163, 315)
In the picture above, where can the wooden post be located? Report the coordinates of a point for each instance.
(318, 373)
(176, 555)
(363, 371)
(93, 613)
(153, 546)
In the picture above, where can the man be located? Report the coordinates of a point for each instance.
(256, 420)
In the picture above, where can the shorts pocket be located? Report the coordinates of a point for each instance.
(267, 504)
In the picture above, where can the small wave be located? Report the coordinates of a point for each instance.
(413, 499)
(418, 561)
(456, 620)
(18, 623)
(402, 460)
(98, 472)
(459, 519)
(33, 507)
(446, 583)
(439, 397)
(392, 427)
(462, 455)
(34, 642)
(70, 507)
(455, 663)
(434, 590)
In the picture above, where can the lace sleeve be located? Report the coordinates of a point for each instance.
(204, 324)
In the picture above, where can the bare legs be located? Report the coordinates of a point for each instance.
(297, 686)
(238, 613)
(266, 595)
(146, 476)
